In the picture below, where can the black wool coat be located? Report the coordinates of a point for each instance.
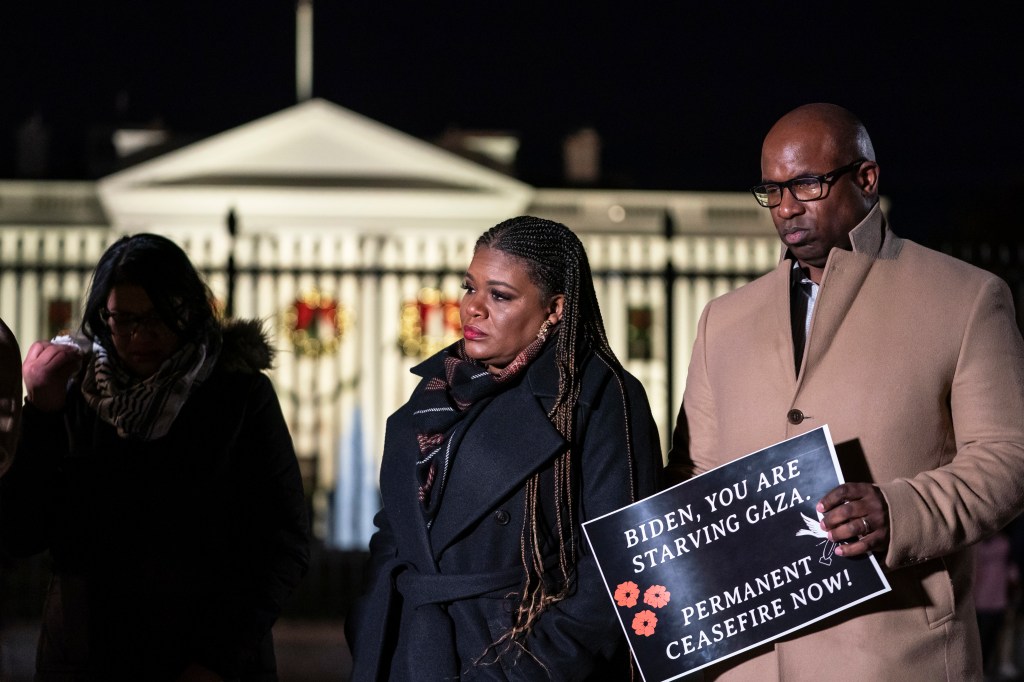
(167, 552)
(441, 597)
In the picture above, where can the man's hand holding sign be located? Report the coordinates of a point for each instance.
(856, 515)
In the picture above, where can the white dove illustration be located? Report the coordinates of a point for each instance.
(814, 530)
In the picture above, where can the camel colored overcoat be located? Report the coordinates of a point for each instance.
(915, 362)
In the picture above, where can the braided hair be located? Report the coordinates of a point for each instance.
(556, 263)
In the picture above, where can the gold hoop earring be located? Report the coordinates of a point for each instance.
(544, 327)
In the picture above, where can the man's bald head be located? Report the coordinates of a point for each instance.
(845, 134)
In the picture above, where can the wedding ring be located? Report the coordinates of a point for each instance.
(867, 527)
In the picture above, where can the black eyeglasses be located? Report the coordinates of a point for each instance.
(127, 325)
(803, 188)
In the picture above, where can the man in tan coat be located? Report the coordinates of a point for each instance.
(914, 361)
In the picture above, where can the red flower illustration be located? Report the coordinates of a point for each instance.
(644, 623)
(626, 594)
(657, 596)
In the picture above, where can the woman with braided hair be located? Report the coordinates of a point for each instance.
(516, 434)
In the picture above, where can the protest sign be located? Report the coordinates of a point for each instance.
(730, 559)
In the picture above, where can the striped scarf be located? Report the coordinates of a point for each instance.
(145, 410)
(441, 406)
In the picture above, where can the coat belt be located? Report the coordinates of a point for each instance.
(419, 589)
(426, 592)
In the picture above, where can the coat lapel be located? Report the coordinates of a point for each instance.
(399, 489)
(779, 333)
(844, 277)
(510, 440)
(845, 273)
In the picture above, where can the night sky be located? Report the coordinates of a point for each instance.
(681, 95)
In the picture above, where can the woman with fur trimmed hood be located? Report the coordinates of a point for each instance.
(156, 467)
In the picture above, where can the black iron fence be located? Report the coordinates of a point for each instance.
(365, 323)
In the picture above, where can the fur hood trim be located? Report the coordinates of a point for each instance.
(246, 347)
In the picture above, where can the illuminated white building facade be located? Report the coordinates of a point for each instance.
(349, 239)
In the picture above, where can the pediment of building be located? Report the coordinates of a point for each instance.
(315, 164)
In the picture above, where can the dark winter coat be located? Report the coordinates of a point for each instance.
(167, 552)
(10, 396)
(441, 597)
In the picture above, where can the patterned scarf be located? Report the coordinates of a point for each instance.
(145, 410)
(441, 406)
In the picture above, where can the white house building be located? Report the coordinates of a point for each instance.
(349, 239)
